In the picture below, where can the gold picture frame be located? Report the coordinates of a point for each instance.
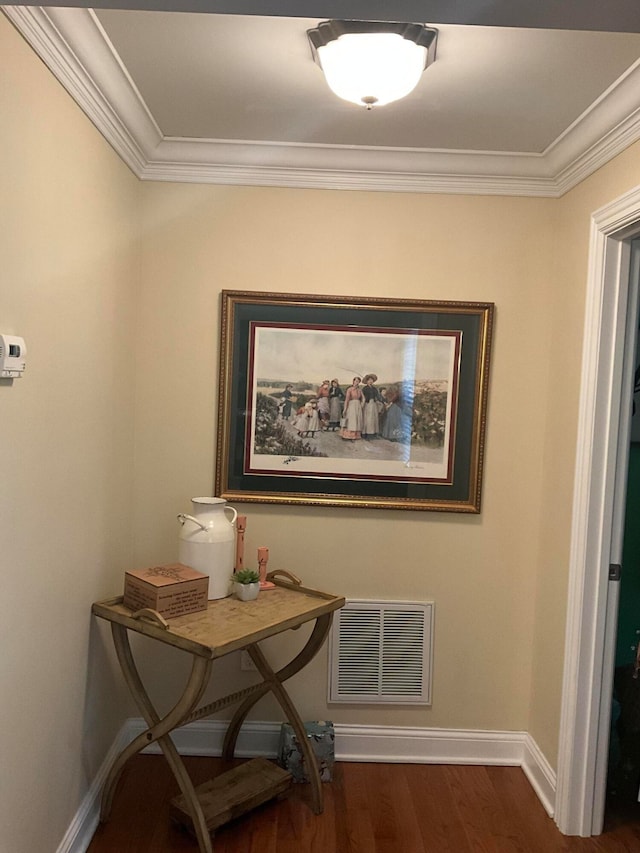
(410, 435)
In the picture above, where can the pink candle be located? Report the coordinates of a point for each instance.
(263, 559)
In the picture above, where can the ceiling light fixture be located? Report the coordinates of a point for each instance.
(372, 63)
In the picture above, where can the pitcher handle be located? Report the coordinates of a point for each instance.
(235, 513)
(182, 517)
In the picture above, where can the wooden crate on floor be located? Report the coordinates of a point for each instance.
(234, 793)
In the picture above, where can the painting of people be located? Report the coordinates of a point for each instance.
(345, 402)
(376, 402)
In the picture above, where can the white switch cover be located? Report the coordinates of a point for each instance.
(13, 356)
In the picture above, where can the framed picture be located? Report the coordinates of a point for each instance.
(351, 401)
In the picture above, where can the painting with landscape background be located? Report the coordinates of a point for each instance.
(411, 379)
(352, 402)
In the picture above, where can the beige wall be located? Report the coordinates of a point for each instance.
(479, 570)
(68, 250)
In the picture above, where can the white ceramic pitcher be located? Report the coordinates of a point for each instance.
(208, 541)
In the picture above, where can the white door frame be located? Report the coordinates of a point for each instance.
(612, 227)
(629, 260)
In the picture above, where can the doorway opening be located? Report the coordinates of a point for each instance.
(598, 514)
(623, 777)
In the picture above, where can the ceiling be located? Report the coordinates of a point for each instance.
(236, 98)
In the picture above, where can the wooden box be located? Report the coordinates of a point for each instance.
(172, 590)
(234, 793)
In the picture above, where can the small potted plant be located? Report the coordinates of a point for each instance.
(246, 584)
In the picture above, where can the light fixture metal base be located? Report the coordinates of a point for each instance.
(328, 31)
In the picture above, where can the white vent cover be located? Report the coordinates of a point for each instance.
(380, 651)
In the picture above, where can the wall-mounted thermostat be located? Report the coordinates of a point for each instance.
(13, 356)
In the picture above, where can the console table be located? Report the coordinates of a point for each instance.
(227, 625)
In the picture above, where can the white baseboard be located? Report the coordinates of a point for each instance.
(205, 737)
(427, 746)
(385, 744)
(83, 826)
(541, 775)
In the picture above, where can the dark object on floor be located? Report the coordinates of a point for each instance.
(624, 753)
(321, 736)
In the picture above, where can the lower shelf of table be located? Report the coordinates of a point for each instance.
(234, 793)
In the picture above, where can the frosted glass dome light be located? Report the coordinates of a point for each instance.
(369, 63)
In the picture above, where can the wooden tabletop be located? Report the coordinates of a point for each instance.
(229, 624)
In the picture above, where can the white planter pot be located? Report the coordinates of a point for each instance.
(246, 591)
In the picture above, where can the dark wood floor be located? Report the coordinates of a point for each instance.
(369, 808)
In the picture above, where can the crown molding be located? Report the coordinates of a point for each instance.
(273, 176)
(604, 129)
(76, 49)
(346, 168)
